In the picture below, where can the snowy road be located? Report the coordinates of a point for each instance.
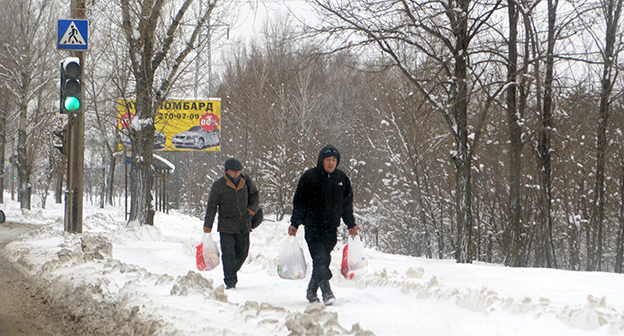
(23, 311)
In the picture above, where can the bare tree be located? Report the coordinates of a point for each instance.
(27, 70)
(611, 9)
(5, 108)
(619, 251)
(158, 45)
(409, 32)
(543, 151)
(107, 74)
(513, 240)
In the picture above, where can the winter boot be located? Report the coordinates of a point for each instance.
(312, 289)
(328, 296)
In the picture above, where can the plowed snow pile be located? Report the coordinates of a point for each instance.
(142, 280)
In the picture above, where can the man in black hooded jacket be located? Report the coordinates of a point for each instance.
(322, 198)
(236, 198)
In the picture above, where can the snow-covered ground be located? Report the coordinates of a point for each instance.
(149, 273)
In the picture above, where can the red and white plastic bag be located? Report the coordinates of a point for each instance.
(291, 264)
(354, 262)
(207, 255)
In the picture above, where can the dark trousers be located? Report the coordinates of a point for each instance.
(321, 241)
(234, 249)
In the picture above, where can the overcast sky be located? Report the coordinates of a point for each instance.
(251, 15)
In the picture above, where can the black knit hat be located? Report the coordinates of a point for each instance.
(328, 151)
(233, 164)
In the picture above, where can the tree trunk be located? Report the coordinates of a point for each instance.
(546, 251)
(514, 229)
(23, 166)
(595, 258)
(111, 179)
(46, 188)
(462, 166)
(60, 177)
(463, 156)
(464, 213)
(3, 149)
(612, 16)
(574, 227)
(141, 170)
(103, 188)
(620, 237)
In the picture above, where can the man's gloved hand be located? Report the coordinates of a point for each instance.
(354, 230)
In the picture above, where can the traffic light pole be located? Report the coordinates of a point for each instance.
(75, 143)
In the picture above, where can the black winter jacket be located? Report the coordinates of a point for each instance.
(321, 199)
(235, 204)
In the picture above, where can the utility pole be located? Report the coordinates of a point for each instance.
(75, 143)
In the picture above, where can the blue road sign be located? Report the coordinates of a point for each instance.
(73, 34)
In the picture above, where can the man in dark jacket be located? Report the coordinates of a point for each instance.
(236, 198)
(322, 198)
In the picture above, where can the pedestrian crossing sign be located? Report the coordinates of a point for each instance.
(73, 34)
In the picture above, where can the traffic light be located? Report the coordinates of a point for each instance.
(71, 85)
(61, 143)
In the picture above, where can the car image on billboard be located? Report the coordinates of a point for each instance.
(196, 137)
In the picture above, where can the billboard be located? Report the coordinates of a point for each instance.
(181, 125)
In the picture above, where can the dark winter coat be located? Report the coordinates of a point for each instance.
(236, 204)
(321, 199)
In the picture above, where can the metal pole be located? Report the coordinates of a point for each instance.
(209, 62)
(126, 183)
(176, 157)
(13, 170)
(75, 163)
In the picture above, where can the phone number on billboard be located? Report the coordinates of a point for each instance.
(190, 116)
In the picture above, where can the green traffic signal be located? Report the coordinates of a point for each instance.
(71, 104)
(71, 85)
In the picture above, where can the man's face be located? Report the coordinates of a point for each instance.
(233, 173)
(329, 164)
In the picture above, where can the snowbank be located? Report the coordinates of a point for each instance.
(142, 280)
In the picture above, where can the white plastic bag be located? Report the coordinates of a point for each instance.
(354, 262)
(207, 256)
(291, 264)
